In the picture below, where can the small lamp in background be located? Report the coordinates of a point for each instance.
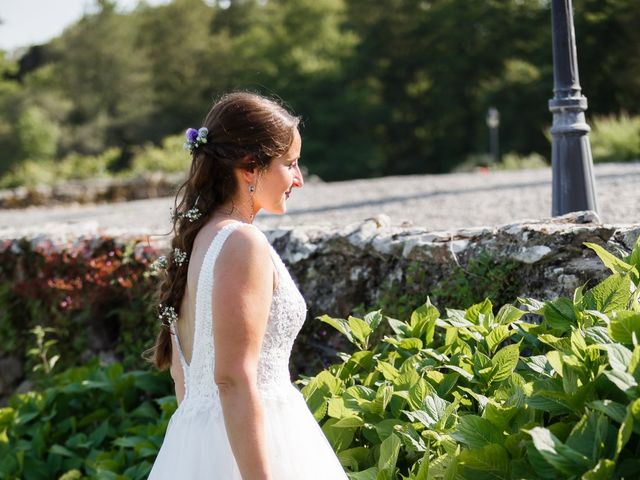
(493, 122)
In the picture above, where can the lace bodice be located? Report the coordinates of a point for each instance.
(286, 316)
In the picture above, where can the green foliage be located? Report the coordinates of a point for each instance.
(513, 161)
(30, 173)
(169, 157)
(92, 296)
(615, 138)
(91, 422)
(387, 87)
(37, 134)
(549, 390)
(41, 352)
(482, 277)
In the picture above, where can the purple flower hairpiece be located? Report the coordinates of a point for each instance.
(195, 138)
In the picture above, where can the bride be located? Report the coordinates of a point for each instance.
(230, 311)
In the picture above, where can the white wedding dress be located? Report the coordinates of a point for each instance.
(196, 444)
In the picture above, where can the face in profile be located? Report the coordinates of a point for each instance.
(277, 182)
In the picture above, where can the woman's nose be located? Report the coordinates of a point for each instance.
(297, 179)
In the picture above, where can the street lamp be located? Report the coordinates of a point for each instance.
(573, 185)
(493, 122)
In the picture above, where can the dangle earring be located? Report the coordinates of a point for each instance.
(252, 189)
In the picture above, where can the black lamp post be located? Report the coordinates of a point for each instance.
(573, 185)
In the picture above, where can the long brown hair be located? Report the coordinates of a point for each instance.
(246, 131)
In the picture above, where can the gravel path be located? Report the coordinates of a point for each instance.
(436, 202)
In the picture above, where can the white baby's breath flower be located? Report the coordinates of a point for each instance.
(167, 315)
(193, 214)
(159, 264)
(179, 256)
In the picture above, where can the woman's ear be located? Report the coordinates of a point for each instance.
(249, 173)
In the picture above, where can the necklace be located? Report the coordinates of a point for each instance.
(236, 216)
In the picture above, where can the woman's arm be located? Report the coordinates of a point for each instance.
(241, 301)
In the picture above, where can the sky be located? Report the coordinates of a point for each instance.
(30, 22)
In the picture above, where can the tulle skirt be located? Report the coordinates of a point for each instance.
(196, 446)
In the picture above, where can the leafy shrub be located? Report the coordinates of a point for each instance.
(615, 138)
(549, 391)
(514, 161)
(93, 422)
(170, 157)
(30, 173)
(92, 296)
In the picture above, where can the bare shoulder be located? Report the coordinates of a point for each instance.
(245, 245)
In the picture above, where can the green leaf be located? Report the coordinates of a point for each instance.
(598, 334)
(634, 363)
(388, 371)
(480, 313)
(360, 330)
(489, 458)
(625, 328)
(562, 458)
(477, 432)
(634, 257)
(433, 410)
(504, 362)
(399, 327)
(610, 261)
(569, 379)
(339, 324)
(386, 427)
(60, 450)
(539, 364)
(354, 457)
(497, 335)
(560, 314)
(588, 435)
(423, 322)
(624, 432)
(619, 356)
(614, 410)
(604, 470)
(423, 469)
(418, 393)
(349, 422)
(317, 392)
(508, 314)
(622, 380)
(373, 319)
(368, 474)
(612, 294)
(389, 450)
(340, 438)
(337, 409)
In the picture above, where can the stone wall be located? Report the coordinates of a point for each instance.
(371, 264)
(363, 264)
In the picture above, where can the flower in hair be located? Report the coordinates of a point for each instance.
(193, 214)
(159, 264)
(195, 138)
(167, 315)
(179, 256)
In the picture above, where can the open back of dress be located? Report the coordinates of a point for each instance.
(196, 444)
